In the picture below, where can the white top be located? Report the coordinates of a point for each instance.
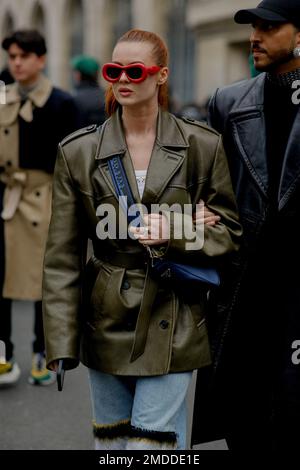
(141, 179)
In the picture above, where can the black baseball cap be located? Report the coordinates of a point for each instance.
(281, 11)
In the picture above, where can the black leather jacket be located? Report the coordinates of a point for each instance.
(237, 112)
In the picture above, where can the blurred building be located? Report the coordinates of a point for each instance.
(222, 46)
(207, 49)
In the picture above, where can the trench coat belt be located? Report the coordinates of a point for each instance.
(15, 183)
(137, 261)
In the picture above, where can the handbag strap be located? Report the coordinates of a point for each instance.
(120, 181)
(122, 188)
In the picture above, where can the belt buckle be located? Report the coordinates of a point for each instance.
(153, 255)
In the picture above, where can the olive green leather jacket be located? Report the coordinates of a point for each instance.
(91, 310)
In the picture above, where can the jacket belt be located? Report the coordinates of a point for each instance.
(15, 183)
(137, 261)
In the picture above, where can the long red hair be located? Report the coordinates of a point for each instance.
(161, 56)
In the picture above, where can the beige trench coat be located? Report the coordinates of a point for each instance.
(27, 200)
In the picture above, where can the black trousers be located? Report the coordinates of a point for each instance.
(38, 344)
(263, 401)
(6, 305)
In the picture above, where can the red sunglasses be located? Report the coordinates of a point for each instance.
(135, 72)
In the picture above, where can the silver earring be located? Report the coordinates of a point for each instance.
(296, 52)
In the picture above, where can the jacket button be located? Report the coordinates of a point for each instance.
(38, 194)
(164, 324)
(6, 131)
(8, 163)
(126, 285)
(35, 224)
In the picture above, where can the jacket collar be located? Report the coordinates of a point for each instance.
(37, 97)
(112, 140)
(167, 156)
(253, 96)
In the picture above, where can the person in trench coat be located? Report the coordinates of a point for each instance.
(140, 359)
(254, 398)
(35, 118)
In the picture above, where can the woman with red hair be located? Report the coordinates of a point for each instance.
(140, 337)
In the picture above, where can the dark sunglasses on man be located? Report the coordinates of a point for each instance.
(136, 72)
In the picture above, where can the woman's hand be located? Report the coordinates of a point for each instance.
(155, 232)
(205, 216)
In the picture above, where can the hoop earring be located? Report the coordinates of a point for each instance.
(296, 52)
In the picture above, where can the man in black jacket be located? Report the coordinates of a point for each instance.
(35, 118)
(258, 375)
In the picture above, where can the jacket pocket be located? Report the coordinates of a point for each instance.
(96, 293)
(197, 312)
(123, 295)
(190, 316)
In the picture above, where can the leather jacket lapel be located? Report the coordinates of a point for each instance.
(249, 133)
(248, 128)
(290, 170)
(112, 142)
(167, 157)
(163, 165)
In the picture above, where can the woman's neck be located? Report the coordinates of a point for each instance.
(141, 121)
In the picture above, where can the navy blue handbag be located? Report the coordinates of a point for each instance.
(181, 273)
(163, 268)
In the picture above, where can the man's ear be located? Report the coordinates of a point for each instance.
(298, 37)
(42, 60)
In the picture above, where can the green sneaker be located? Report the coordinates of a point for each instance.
(40, 375)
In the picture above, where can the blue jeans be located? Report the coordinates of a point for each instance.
(139, 412)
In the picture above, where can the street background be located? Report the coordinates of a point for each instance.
(207, 48)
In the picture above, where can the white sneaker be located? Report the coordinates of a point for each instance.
(40, 375)
(9, 373)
